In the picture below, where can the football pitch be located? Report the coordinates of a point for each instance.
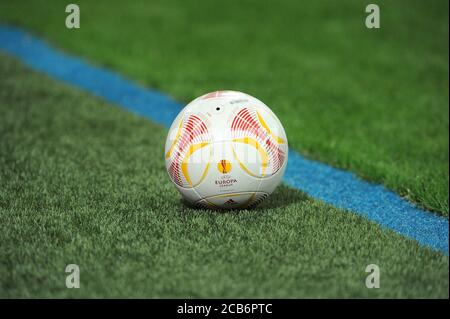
(83, 181)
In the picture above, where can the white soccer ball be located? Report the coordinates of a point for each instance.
(226, 150)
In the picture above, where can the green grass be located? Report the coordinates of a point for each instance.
(371, 101)
(84, 182)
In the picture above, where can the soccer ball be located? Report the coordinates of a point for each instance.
(226, 150)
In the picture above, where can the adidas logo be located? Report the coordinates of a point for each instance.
(229, 202)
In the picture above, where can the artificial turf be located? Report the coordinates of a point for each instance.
(371, 101)
(84, 182)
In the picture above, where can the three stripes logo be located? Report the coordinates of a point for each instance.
(229, 202)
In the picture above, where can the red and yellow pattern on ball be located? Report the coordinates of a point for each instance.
(249, 127)
(192, 135)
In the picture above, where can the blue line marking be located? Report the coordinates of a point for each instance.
(336, 187)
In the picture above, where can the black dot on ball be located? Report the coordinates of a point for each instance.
(217, 108)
